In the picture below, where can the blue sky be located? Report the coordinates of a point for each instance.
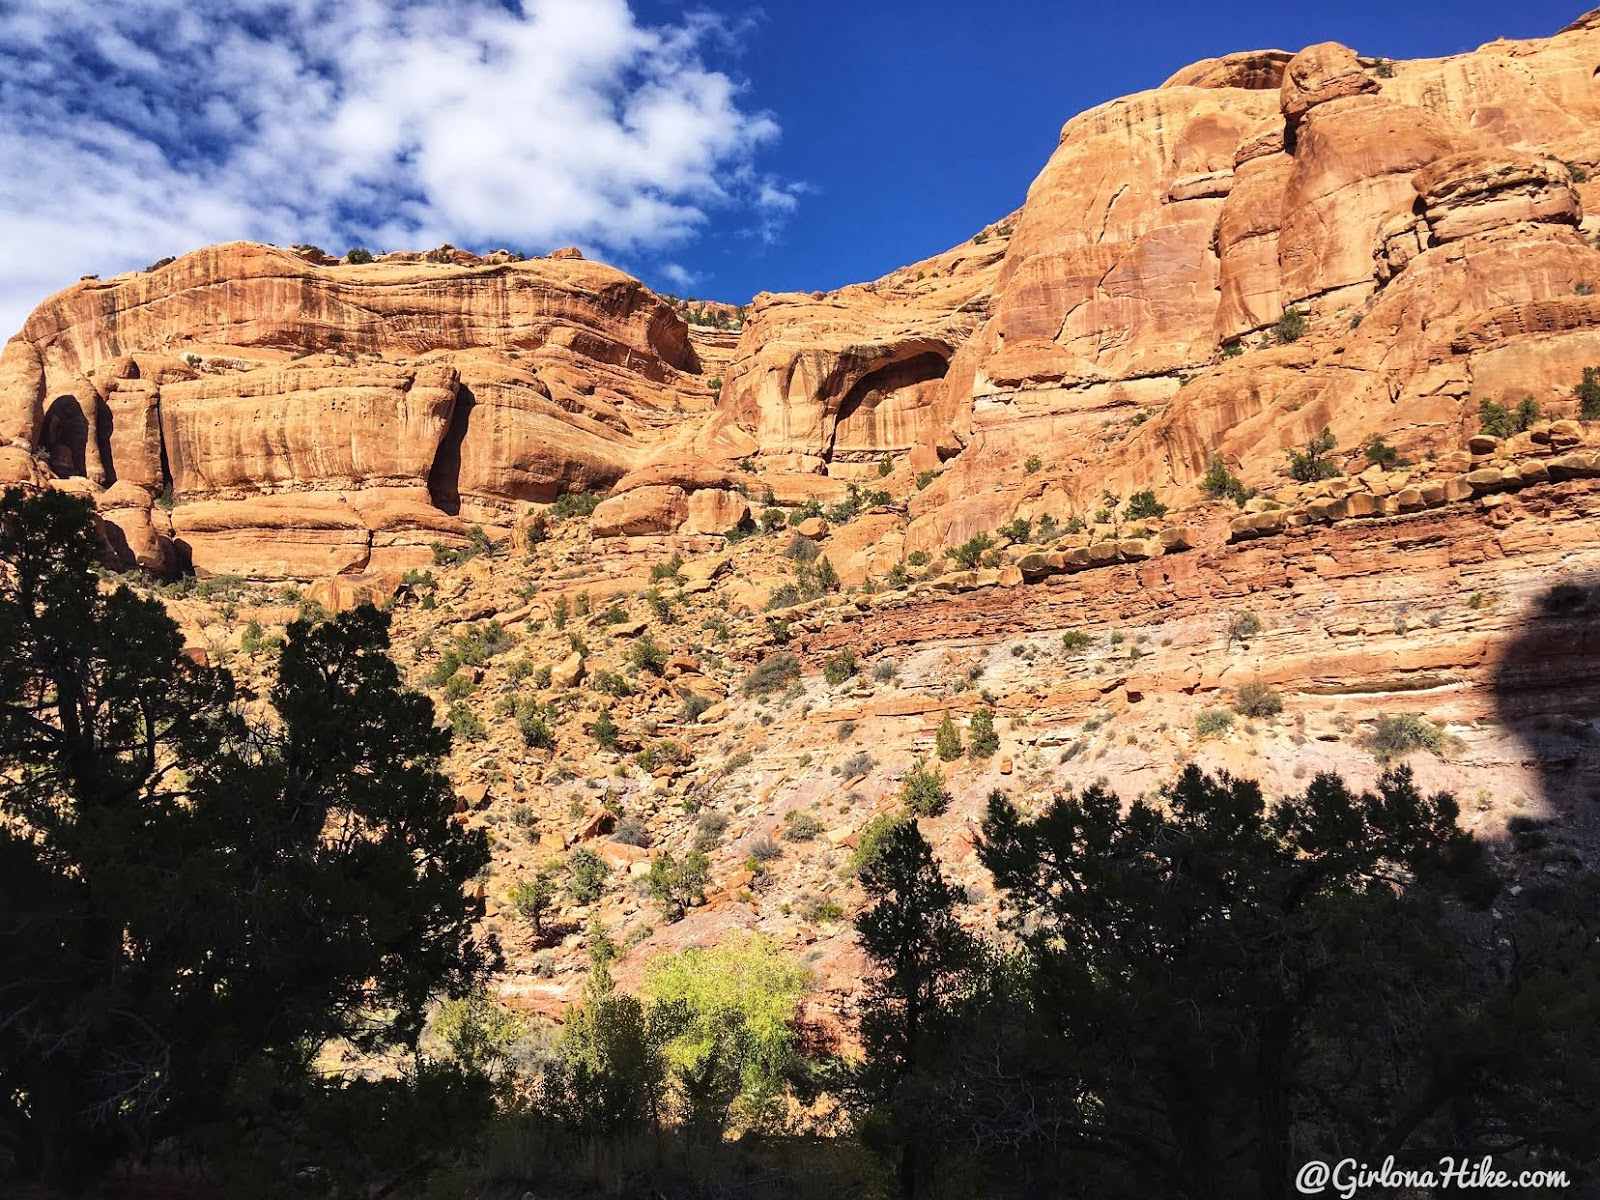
(715, 149)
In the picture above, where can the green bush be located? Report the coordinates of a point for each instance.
(1033, 464)
(801, 827)
(924, 478)
(801, 550)
(604, 730)
(1588, 394)
(675, 885)
(839, 667)
(1218, 482)
(1256, 699)
(1497, 420)
(1144, 506)
(734, 1037)
(1018, 530)
(459, 687)
(1291, 327)
(1075, 639)
(873, 838)
(1311, 464)
(947, 741)
(465, 723)
(773, 672)
(671, 570)
(1382, 454)
(535, 732)
(970, 553)
(692, 707)
(1395, 737)
(982, 740)
(534, 898)
(922, 790)
(587, 875)
(647, 655)
(574, 504)
(358, 256)
(1213, 722)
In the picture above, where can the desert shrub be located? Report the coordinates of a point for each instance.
(1497, 420)
(1395, 737)
(982, 740)
(1310, 463)
(922, 790)
(801, 827)
(1290, 327)
(692, 707)
(1243, 626)
(801, 549)
(670, 570)
(631, 831)
(1256, 699)
(604, 730)
(587, 875)
(1213, 722)
(771, 519)
(1033, 464)
(839, 667)
(971, 551)
(534, 898)
(1220, 482)
(1588, 394)
(533, 725)
(1075, 639)
(1020, 529)
(947, 742)
(924, 478)
(612, 683)
(816, 911)
(811, 508)
(1144, 506)
(764, 850)
(773, 672)
(873, 838)
(859, 763)
(466, 724)
(1382, 454)
(358, 256)
(459, 687)
(647, 655)
(574, 504)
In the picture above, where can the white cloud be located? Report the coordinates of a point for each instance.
(135, 129)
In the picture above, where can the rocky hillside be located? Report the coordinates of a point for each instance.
(1264, 433)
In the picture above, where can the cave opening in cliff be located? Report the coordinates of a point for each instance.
(64, 436)
(875, 403)
(444, 476)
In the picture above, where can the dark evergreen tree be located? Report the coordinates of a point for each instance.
(194, 908)
(1213, 985)
(926, 962)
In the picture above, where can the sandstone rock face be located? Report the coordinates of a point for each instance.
(1319, 74)
(1424, 221)
(1422, 217)
(650, 509)
(468, 387)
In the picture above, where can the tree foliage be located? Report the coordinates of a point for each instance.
(197, 906)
